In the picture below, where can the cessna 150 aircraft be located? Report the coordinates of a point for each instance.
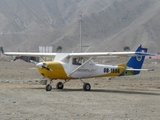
(68, 66)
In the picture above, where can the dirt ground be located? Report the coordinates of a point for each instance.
(22, 97)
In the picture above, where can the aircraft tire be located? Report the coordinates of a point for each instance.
(48, 87)
(59, 85)
(86, 87)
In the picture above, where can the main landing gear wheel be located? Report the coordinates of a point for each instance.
(59, 85)
(86, 87)
(48, 87)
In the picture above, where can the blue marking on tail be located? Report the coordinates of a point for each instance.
(136, 62)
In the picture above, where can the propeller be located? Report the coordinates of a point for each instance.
(40, 65)
(44, 65)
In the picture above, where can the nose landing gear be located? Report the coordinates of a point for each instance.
(48, 87)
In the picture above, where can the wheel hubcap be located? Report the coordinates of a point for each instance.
(87, 87)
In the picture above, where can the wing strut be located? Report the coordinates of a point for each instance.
(79, 67)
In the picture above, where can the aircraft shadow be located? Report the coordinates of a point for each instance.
(113, 91)
(128, 92)
(146, 92)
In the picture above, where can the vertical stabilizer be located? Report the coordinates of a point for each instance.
(136, 62)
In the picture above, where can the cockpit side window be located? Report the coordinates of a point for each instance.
(77, 61)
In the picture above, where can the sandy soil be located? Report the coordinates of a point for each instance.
(22, 97)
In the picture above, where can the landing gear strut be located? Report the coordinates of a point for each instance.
(86, 86)
(48, 86)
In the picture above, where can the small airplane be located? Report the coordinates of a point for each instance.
(68, 66)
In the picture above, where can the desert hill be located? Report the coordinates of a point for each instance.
(108, 25)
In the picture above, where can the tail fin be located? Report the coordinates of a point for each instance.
(136, 62)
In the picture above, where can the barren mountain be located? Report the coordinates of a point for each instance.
(108, 25)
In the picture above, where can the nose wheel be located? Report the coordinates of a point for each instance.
(48, 87)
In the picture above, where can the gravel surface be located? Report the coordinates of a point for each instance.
(22, 97)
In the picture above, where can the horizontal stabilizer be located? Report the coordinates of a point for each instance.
(130, 69)
(144, 54)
